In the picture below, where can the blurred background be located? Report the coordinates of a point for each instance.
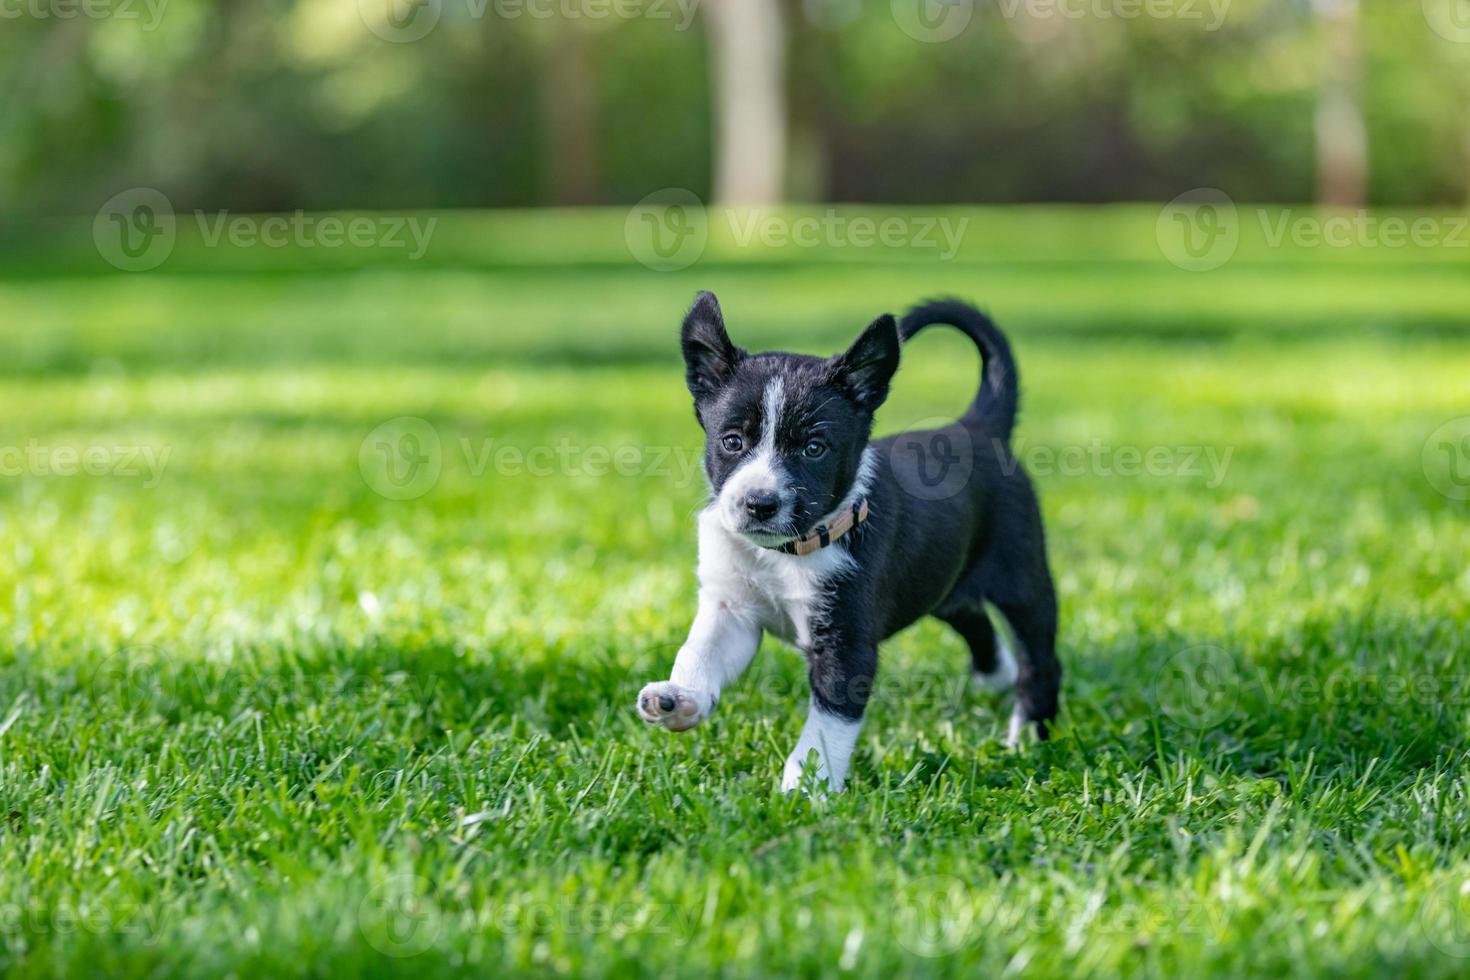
(414, 104)
(348, 479)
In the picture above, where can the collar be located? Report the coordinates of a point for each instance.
(825, 533)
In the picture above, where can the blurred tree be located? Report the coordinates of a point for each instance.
(1342, 133)
(282, 104)
(569, 94)
(748, 60)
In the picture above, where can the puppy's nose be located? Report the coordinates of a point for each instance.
(762, 504)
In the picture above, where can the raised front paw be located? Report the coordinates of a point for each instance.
(666, 703)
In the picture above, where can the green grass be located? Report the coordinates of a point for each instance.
(257, 718)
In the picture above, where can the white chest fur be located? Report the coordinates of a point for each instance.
(786, 594)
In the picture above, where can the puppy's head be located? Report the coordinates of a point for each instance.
(784, 433)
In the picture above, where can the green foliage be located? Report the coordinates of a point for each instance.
(300, 104)
(257, 718)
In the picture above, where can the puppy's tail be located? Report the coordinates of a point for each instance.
(998, 399)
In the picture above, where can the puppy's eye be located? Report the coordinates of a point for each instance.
(814, 449)
(732, 443)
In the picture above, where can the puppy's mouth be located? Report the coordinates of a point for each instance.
(769, 533)
(767, 539)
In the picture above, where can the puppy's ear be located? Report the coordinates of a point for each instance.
(709, 357)
(868, 366)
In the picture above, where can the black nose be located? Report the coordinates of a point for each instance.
(762, 504)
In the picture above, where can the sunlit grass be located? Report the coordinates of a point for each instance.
(255, 715)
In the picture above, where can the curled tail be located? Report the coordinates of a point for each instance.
(995, 404)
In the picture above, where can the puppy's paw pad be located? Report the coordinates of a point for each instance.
(666, 703)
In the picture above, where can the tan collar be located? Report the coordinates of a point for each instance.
(824, 534)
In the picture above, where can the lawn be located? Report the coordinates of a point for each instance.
(273, 704)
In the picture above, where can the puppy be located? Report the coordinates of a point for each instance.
(833, 542)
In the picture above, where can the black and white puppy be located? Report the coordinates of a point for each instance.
(834, 542)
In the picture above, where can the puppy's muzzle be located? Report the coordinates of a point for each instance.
(762, 505)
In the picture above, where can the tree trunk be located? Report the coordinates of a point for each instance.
(569, 118)
(748, 61)
(1465, 135)
(1342, 135)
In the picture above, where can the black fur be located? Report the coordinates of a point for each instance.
(945, 552)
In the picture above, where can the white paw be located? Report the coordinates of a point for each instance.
(1003, 677)
(1017, 729)
(797, 766)
(675, 708)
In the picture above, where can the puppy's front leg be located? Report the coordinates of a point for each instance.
(842, 680)
(721, 644)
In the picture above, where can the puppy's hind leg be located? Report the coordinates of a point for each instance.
(1038, 673)
(992, 655)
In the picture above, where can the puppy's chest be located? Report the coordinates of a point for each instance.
(789, 596)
